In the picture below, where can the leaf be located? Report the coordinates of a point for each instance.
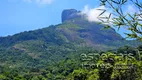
(131, 16)
(107, 27)
(103, 2)
(109, 17)
(115, 1)
(116, 9)
(102, 12)
(139, 5)
(124, 1)
(103, 17)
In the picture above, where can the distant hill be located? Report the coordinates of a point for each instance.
(45, 46)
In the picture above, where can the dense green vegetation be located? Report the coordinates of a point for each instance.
(110, 65)
(59, 52)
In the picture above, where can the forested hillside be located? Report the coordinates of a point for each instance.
(73, 50)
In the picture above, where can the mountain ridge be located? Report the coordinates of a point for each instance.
(72, 26)
(45, 46)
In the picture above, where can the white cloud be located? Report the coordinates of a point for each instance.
(92, 14)
(39, 1)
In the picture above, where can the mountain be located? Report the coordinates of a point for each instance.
(39, 48)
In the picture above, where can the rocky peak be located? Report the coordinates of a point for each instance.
(68, 14)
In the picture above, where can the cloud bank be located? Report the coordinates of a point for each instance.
(39, 1)
(92, 14)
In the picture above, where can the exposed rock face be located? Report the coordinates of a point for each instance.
(69, 14)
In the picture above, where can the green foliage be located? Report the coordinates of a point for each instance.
(53, 53)
(110, 66)
(130, 20)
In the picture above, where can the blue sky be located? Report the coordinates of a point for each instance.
(24, 15)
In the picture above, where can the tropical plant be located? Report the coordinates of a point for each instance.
(119, 17)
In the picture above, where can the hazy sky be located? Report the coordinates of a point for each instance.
(24, 15)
